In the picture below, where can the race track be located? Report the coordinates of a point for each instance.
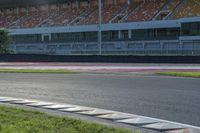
(174, 99)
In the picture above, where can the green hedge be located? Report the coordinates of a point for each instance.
(4, 41)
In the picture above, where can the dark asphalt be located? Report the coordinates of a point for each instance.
(174, 99)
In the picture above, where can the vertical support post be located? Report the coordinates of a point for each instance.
(129, 34)
(99, 32)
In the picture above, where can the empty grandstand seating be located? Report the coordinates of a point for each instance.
(85, 12)
(168, 9)
(146, 11)
(189, 8)
(8, 16)
(109, 11)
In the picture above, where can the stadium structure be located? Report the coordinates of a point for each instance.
(143, 27)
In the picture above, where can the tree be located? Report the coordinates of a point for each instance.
(4, 41)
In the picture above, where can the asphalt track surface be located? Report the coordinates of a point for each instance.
(174, 99)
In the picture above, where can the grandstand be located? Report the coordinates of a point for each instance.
(128, 26)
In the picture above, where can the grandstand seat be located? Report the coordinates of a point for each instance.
(87, 13)
(146, 11)
(188, 8)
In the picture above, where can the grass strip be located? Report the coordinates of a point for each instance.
(57, 71)
(14, 120)
(181, 74)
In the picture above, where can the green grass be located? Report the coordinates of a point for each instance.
(181, 74)
(13, 120)
(59, 71)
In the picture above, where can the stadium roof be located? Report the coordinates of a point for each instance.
(14, 3)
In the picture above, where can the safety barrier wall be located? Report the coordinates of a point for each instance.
(98, 58)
